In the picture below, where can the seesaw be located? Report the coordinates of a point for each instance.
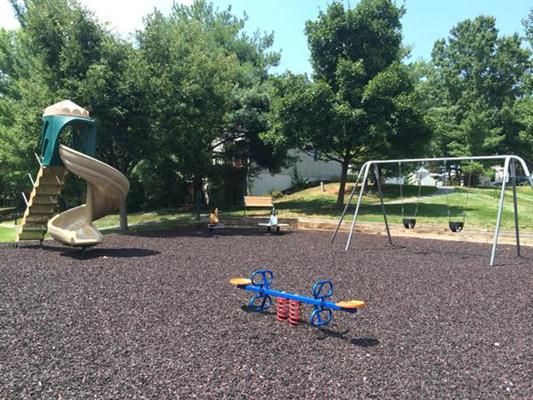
(288, 304)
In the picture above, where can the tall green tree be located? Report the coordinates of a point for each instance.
(62, 51)
(211, 91)
(523, 109)
(476, 79)
(192, 86)
(23, 91)
(361, 102)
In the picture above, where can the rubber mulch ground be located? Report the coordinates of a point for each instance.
(152, 315)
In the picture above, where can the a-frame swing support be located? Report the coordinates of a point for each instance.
(509, 173)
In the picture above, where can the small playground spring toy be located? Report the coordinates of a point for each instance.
(214, 221)
(288, 305)
(273, 225)
(213, 217)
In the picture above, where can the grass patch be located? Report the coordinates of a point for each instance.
(161, 217)
(138, 221)
(479, 204)
(7, 234)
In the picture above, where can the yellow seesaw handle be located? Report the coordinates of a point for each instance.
(240, 281)
(351, 304)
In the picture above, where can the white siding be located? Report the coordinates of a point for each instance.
(307, 167)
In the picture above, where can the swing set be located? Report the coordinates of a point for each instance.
(455, 223)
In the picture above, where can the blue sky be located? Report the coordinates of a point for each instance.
(424, 22)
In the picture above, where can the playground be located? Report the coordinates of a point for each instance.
(194, 208)
(153, 315)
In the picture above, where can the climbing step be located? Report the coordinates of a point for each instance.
(42, 209)
(41, 219)
(47, 200)
(49, 189)
(35, 228)
(42, 203)
(31, 235)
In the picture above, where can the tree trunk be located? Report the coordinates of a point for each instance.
(123, 227)
(342, 183)
(198, 194)
(382, 178)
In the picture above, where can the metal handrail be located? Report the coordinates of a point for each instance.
(38, 159)
(25, 199)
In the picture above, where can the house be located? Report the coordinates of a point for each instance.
(307, 168)
(426, 177)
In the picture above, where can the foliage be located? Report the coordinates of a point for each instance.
(212, 81)
(192, 84)
(297, 181)
(276, 194)
(528, 27)
(475, 89)
(22, 92)
(192, 99)
(361, 103)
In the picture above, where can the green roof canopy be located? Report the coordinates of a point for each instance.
(56, 119)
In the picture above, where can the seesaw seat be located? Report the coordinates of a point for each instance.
(271, 227)
(240, 281)
(351, 304)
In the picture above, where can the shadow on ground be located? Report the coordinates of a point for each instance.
(204, 232)
(321, 333)
(89, 254)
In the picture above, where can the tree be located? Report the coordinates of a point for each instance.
(116, 88)
(23, 91)
(528, 27)
(212, 91)
(361, 103)
(192, 85)
(66, 53)
(523, 108)
(476, 79)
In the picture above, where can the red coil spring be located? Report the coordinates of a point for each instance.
(282, 309)
(294, 312)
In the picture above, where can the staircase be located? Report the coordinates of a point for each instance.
(42, 204)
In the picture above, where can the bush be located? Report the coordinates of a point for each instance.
(297, 181)
(276, 194)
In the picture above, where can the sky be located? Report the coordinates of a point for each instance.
(425, 21)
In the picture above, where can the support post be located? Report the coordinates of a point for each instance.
(500, 211)
(378, 182)
(346, 206)
(363, 184)
(515, 206)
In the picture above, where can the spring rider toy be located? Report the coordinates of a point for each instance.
(289, 304)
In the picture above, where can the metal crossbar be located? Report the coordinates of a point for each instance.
(509, 172)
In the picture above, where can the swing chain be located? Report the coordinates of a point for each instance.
(419, 191)
(418, 176)
(401, 188)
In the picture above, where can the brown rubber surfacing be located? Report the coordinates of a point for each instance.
(152, 315)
